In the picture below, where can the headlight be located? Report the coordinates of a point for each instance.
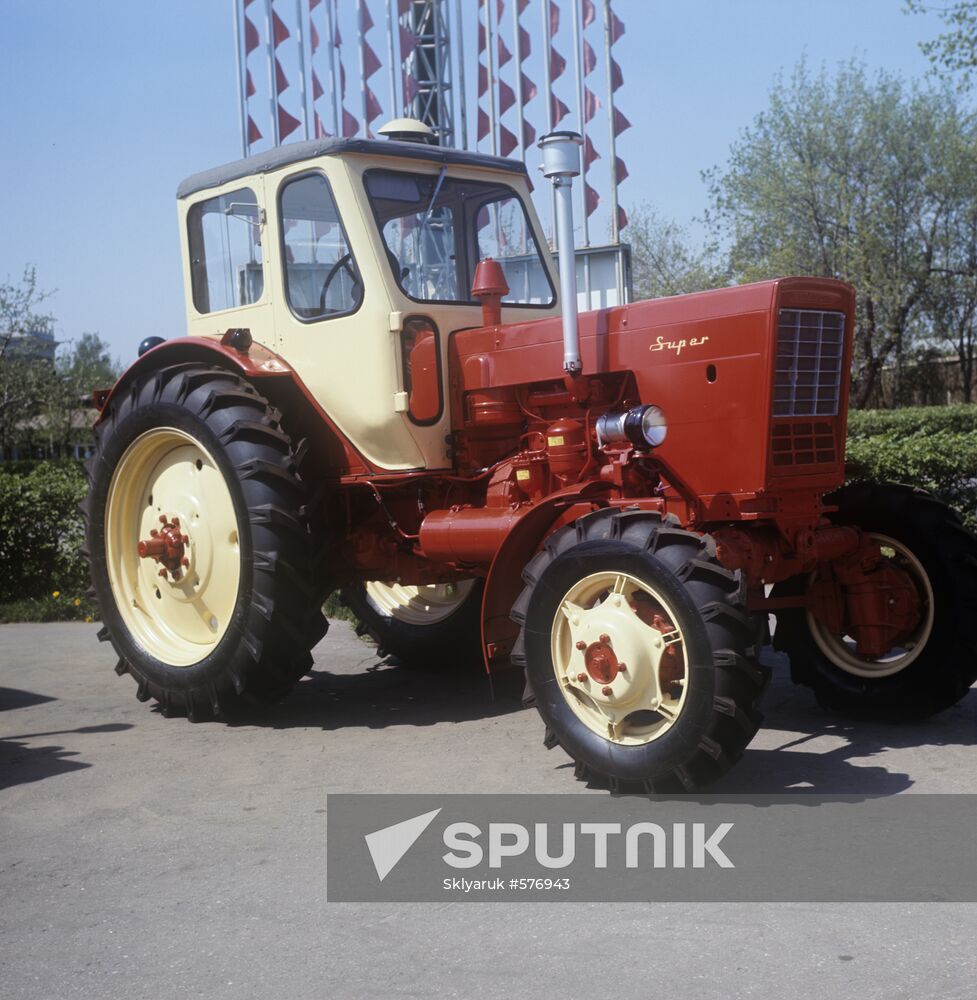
(644, 426)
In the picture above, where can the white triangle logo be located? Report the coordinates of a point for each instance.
(389, 845)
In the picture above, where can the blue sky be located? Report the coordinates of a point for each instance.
(107, 106)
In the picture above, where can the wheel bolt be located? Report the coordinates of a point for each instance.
(581, 644)
(162, 573)
(581, 678)
(607, 690)
(176, 574)
(622, 668)
(162, 519)
(154, 533)
(605, 638)
(184, 561)
(176, 522)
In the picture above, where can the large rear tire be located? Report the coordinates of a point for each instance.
(627, 586)
(936, 666)
(195, 457)
(432, 627)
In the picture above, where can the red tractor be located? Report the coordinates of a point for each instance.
(385, 389)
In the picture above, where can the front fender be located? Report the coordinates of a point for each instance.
(504, 581)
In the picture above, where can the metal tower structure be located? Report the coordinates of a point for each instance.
(429, 67)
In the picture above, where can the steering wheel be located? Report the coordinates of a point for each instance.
(345, 263)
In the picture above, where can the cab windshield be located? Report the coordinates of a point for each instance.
(437, 228)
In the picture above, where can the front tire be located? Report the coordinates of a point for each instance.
(627, 586)
(193, 456)
(932, 669)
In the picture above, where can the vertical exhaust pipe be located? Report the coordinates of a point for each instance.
(561, 163)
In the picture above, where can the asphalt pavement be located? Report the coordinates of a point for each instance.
(149, 857)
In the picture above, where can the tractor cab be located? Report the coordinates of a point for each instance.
(354, 260)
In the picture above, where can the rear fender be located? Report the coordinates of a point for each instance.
(333, 453)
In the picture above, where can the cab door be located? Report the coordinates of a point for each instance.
(332, 311)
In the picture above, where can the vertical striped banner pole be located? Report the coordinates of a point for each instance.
(272, 81)
(300, 42)
(334, 95)
(578, 78)
(242, 100)
(612, 150)
(490, 50)
(394, 113)
(463, 97)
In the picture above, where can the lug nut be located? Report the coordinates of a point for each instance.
(186, 562)
(581, 644)
(581, 678)
(154, 533)
(607, 690)
(162, 519)
(162, 573)
(605, 638)
(176, 574)
(622, 668)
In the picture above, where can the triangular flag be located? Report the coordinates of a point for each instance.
(591, 103)
(373, 109)
(350, 125)
(621, 123)
(589, 153)
(251, 38)
(370, 61)
(591, 199)
(287, 124)
(281, 81)
(617, 28)
(589, 13)
(620, 170)
(589, 58)
(507, 97)
(504, 54)
(254, 133)
(408, 42)
(622, 218)
(278, 29)
(249, 90)
(317, 90)
(557, 65)
(529, 90)
(483, 125)
(507, 141)
(617, 77)
(558, 110)
(528, 136)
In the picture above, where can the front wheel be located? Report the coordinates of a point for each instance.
(639, 652)
(934, 665)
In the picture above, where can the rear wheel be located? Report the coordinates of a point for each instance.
(930, 669)
(639, 653)
(198, 554)
(433, 625)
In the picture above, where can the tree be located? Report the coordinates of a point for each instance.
(662, 260)
(954, 52)
(857, 179)
(25, 374)
(82, 367)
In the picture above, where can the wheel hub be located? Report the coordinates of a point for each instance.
(602, 664)
(167, 546)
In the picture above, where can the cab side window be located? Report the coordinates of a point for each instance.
(225, 251)
(321, 277)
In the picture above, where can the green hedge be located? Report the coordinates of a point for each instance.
(41, 534)
(931, 447)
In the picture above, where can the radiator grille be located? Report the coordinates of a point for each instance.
(802, 442)
(810, 347)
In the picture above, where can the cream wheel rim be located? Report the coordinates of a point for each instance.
(619, 658)
(841, 649)
(427, 604)
(167, 475)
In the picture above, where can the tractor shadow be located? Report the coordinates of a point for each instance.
(376, 694)
(815, 753)
(386, 693)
